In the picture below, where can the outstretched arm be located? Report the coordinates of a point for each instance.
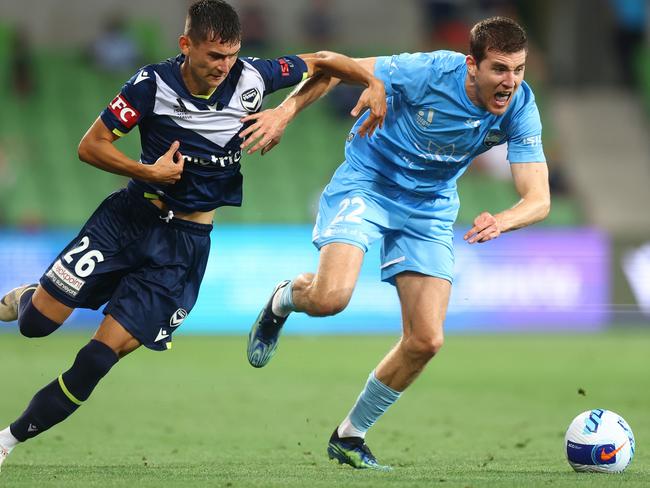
(531, 182)
(269, 125)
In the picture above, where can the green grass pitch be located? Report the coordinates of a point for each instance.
(490, 411)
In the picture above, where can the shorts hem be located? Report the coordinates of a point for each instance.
(319, 243)
(60, 296)
(121, 319)
(389, 276)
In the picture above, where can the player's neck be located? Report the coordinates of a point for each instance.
(471, 92)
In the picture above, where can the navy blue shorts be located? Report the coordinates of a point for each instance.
(148, 270)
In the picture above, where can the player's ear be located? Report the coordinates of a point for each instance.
(471, 65)
(184, 44)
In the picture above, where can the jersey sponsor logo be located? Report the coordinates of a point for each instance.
(493, 138)
(142, 75)
(177, 317)
(532, 141)
(251, 99)
(285, 67)
(181, 110)
(424, 117)
(64, 279)
(127, 115)
(220, 161)
(442, 154)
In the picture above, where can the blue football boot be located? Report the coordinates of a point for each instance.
(353, 451)
(265, 333)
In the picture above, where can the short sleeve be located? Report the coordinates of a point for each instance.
(132, 104)
(525, 135)
(405, 74)
(280, 72)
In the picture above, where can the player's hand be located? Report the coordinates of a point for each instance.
(266, 130)
(168, 168)
(486, 228)
(374, 98)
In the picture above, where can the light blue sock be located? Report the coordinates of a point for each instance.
(283, 301)
(371, 404)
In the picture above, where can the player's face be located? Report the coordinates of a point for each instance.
(492, 83)
(207, 63)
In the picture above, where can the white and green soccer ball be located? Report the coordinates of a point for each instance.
(599, 441)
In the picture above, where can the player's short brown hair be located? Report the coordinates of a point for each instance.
(209, 20)
(499, 34)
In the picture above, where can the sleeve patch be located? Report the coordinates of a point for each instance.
(284, 67)
(125, 113)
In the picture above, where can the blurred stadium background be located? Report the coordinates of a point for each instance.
(587, 267)
(492, 410)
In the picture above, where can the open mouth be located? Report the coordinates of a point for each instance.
(501, 98)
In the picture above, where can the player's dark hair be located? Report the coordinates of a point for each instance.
(209, 20)
(499, 34)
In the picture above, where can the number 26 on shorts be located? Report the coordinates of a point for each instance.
(87, 262)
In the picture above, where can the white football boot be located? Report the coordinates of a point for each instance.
(9, 303)
(3, 455)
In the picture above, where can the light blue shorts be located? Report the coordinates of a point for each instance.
(417, 229)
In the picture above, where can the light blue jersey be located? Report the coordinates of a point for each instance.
(399, 186)
(433, 131)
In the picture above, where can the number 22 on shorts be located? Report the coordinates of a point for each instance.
(350, 211)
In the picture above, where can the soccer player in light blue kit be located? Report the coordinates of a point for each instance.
(399, 186)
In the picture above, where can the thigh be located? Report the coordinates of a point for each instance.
(424, 300)
(50, 306)
(338, 267)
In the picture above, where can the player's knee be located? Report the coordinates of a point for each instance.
(424, 348)
(328, 303)
(92, 363)
(32, 323)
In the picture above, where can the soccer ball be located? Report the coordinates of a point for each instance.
(599, 441)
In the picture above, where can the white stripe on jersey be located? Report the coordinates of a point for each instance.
(217, 127)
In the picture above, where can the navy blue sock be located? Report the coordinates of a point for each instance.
(58, 400)
(33, 323)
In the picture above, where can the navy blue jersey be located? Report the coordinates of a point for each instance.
(158, 102)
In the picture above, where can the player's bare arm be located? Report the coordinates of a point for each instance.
(531, 182)
(269, 125)
(97, 149)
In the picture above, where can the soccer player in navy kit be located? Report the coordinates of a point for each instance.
(399, 186)
(144, 250)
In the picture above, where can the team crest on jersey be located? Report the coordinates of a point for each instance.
(177, 317)
(493, 138)
(251, 100)
(424, 117)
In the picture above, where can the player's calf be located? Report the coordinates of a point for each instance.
(323, 302)
(61, 398)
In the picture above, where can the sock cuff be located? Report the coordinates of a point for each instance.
(287, 296)
(381, 389)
